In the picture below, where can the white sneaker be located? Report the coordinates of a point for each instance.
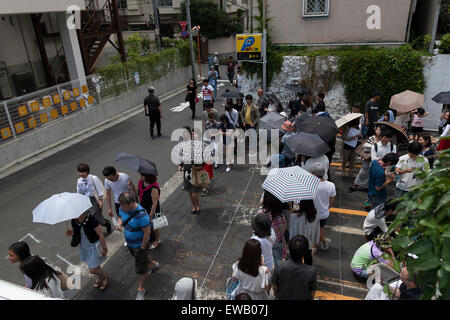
(325, 246)
(140, 295)
(125, 244)
(228, 169)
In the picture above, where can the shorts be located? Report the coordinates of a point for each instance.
(323, 222)
(140, 258)
(417, 129)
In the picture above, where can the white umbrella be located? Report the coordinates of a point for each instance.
(61, 207)
(347, 118)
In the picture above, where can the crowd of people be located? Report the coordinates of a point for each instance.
(278, 257)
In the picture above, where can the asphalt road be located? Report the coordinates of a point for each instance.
(22, 191)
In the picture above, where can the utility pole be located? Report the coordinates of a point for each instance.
(251, 16)
(188, 18)
(264, 47)
(156, 22)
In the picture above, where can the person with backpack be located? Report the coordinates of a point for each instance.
(137, 226)
(384, 146)
(91, 186)
(149, 193)
(87, 234)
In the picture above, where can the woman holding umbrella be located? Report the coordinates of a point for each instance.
(87, 233)
(188, 178)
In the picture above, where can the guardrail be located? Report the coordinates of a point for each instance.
(28, 112)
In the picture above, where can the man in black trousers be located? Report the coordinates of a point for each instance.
(153, 110)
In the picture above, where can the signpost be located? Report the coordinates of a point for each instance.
(252, 48)
(184, 32)
(249, 47)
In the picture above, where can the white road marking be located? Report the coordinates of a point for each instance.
(185, 105)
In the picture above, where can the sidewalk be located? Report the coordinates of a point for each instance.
(205, 246)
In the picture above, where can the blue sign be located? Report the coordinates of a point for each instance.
(248, 43)
(184, 33)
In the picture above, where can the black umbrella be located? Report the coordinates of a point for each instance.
(325, 127)
(443, 97)
(136, 163)
(304, 116)
(272, 120)
(308, 144)
(299, 89)
(232, 95)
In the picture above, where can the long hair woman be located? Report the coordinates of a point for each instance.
(305, 222)
(249, 269)
(18, 252)
(45, 279)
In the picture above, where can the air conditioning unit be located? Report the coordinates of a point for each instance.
(23, 82)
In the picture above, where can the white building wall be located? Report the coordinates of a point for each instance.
(36, 6)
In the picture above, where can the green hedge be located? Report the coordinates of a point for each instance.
(389, 71)
(444, 47)
(150, 67)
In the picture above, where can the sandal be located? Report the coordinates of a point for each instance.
(104, 284)
(97, 283)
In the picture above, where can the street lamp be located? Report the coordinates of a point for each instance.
(196, 29)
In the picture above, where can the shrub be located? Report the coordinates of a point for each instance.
(444, 47)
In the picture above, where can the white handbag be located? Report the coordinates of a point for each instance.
(160, 221)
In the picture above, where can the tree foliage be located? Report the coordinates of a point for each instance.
(424, 218)
(389, 71)
(213, 21)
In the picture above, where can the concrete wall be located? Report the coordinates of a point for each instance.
(346, 23)
(34, 6)
(88, 118)
(437, 75)
(224, 46)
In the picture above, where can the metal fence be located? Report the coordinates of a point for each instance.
(40, 108)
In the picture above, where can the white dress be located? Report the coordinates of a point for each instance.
(254, 286)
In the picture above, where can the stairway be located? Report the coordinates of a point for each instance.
(97, 26)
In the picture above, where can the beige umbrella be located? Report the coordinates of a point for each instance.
(347, 118)
(406, 101)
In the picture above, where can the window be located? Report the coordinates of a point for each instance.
(165, 3)
(316, 8)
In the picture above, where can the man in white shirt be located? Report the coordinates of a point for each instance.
(326, 193)
(208, 93)
(232, 115)
(408, 166)
(375, 222)
(91, 186)
(383, 147)
(119, 183)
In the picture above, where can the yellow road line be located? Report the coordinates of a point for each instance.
(348, 211)
(321, 295)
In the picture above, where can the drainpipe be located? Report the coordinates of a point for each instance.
(412, 9)
(28, 54)
(435, 23)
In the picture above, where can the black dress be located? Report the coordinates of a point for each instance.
(191, 97)
(147, 201)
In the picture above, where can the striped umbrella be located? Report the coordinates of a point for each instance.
(291, 184)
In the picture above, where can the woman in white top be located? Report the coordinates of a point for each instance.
(44, 278)
(91, 186)
(249, 269)
(306, 222)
